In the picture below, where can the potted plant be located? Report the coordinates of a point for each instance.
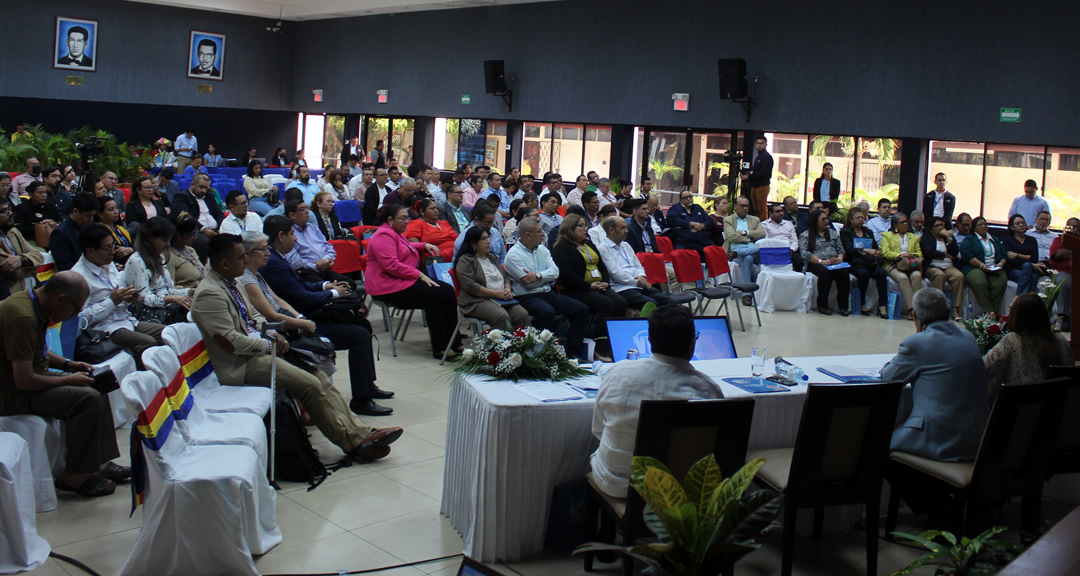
(521, 354)
(978, 556)
(706, 521)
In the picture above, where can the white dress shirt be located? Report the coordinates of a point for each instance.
(100, 312)
(622, 264)
(618, 401)
(785, 230)
(232, 225)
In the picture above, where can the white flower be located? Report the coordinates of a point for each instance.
(515, 360)
(573, 363)
(546, 335)
(467, 354)
(495, 335)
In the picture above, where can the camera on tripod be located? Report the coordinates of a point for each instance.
(94, 145)
(85, 173)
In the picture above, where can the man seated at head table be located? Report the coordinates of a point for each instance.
(945, 368)
(27, 387)
(665, 375)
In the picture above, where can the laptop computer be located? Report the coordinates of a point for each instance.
(470, 567)
(714, 338)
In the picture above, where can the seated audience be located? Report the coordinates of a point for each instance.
(241, 218)
(820, 247)
(916, 222)
(639, 232)
(208, 213)
(18, 259)
(359, 184)
(335, 185)
(262, 195)
(1022, 257)
(511, 224)
(453, 211)
(625, 270)
(64, 239)
(962, 228)
(943, 364)
(1061, 263)
(109, 180)
(982, 259)
(183, 264)
(941, 261)
(591, 205)
(27, 386)
(471, 191)
(163, 156)
(106, 308)
(57, 196)
(883, 221)
(31, 173)
(158, 299)
(741, 231)
(689, 224)
(67, 179)
(327, 220)
(484, 288)
(6, 191)
(212, 159)
(1030, 348)
(582, 274)
(309, 298)
(862, 252)
(108, 214)
(166, 186)
(313, 257)
(532, 271)
(575, 197)
(1044, 237)
(665, 375)
(803, 222)
(777, 226)
(720, 212)
(279, 158)
(144, 204)
(259, 293)
(510, 233)
(195, 167)
(483, 215)
(304, 183)
(903, 259)
(231, 326)
(392, 276)
(428, 229)
(36, 212)
(550, 219)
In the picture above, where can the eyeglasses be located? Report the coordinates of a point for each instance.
(263, 249)
(109, 248)
(404, 218)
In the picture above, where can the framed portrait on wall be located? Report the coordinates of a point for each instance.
(206, 55)
(75, 47)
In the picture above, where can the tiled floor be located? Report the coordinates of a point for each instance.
(386, 513)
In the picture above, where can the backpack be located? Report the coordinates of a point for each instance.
(295, 460)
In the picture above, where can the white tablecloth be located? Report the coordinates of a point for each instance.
(506, 451)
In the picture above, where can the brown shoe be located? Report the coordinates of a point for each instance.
(748, 300)
(371, 453)
(380, 437)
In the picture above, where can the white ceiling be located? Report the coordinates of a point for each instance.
(320, 9)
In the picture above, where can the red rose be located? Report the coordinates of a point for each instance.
(994, 330)
(493, 358)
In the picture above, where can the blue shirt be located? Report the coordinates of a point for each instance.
(498, 248)
(877, 225)
(1029, 208)
(189, 172)
(310, 190)
(182, 141)
(825, 191)
(741, 225)
(311, 245)
(520, 261)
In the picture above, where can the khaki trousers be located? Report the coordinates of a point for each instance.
(499, 317)
(760, 194)
(938, 277)
(89, 432)
(910, 283)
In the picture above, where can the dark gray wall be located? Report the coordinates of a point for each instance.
(142, 55)
(924, 68)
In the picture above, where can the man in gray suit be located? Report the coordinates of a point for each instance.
(453, 211)
(945, 368)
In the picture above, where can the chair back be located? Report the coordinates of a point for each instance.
(1019, 440)
(186, 342)
(843, 443)
(717, 261)
(775, 253)
(348, 211)
(655, 271)
(162, 362)
(687, 265)
(348, 258)
(666, 246)
(155, 419)
(453, 281)
(1066, 459)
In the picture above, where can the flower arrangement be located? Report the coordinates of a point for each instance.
(524, 354)
(988, 330)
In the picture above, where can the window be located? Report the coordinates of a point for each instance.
(666, 158)
(562, 149)
(838, 151)
(598, 150)
(495, 146)
(962, 163)
(567, 149)
(1007, 167)
(789, 161)
(532, 131)
(708, 171)
(1062, 184)
(536, 149)
(877, 171)
(445, 143)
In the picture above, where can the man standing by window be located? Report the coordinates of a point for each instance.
(759, 177)
(939, 201)
(1030, 204)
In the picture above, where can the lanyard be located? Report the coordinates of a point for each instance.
(235, 294)
(11, 248)
(186, 254)
(623, 254)
(103, 281)
(242, 224)
(37, 314)
(121, 237)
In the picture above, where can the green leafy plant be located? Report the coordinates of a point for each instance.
(57, 149)
(659, 169)
(978, 556)
(707, 519)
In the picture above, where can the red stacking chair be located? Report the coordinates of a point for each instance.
(656, 274)
(687, 264)
(666, 247)
(348, 258)
(717, 261)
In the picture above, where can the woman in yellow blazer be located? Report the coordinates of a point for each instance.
(903, 259)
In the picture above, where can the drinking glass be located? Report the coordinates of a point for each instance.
(757, 363)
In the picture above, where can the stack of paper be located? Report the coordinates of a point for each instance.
(549, 391)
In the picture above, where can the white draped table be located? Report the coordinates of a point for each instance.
(506, 452)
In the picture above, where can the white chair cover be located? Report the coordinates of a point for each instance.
(198, 426)
(781, 288)
(186, 341)
(122, 364)
(202, 512)
(20, 546)
(46, 454)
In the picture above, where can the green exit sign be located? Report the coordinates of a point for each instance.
(1010, 114)
(466, 99)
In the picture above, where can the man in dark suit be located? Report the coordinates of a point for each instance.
(657, 220)
(639, 234)
(308, 298)
(454, 211)
(207, 53)
(759, 178)
(940, 202)
(204, 210)
(827, 188)
(64, 239)
(76, 44)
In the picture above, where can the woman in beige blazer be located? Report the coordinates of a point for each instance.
(483, 285)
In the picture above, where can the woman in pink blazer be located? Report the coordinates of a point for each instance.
(393, 276)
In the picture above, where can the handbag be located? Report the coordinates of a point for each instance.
(170, 314)
(94, 347)
(348, 309)
(907, 264)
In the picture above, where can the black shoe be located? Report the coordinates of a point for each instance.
(1066, 324)
(825, 311)
(381, 394)
(368, 407)
(844, 313)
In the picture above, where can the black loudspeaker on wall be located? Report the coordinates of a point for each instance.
(732, 78)
(495, 78)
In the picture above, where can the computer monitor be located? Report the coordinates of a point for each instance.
(714, 339)
(470, 567)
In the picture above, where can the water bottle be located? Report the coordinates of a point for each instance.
(970, 311)
(632, 354)
(790, 371)
(600, 368)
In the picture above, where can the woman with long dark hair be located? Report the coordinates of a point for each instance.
(184, 265)
(864, 255)
(144, 204)
(1029, 349)
(482, 283)
(1022, 265)
(109, 215)
(820, 247)
(260, 193)
(146, 271)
